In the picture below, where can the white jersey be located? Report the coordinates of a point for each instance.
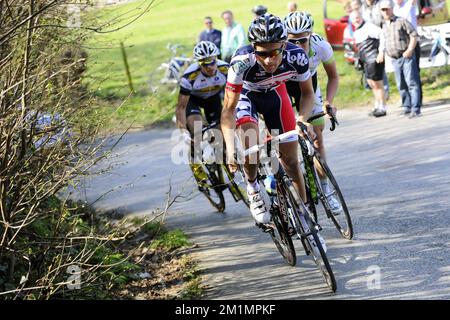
(320, 52)
(195, 83)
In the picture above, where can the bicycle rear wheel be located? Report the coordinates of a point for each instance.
(305, 228)
(343, 221)
(208, 181)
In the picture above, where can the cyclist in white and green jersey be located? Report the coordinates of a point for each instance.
(300, 32)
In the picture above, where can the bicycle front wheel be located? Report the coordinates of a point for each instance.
(281, 237)
(342, 221)
(319, 256)
(305, 228)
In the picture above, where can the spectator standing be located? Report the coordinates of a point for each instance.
(371, 13)
(259, 10)
(349, 7)
(407, 9)
(367, 39)
(210, 34)
(292, 6)
(398, 41)
(233, 36)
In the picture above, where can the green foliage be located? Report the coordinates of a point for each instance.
(153, 228)
(171, 240)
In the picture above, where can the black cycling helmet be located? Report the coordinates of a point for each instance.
(267, 29)
(259, 10)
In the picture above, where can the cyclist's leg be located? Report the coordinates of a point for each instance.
(279, 117)
(194, 126)
(294, 92)
(247, 125)
(319, 125)
(213, 108)
(247, 128)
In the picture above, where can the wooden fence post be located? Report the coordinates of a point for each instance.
(127, 67)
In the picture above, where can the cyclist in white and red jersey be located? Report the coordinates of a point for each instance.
(256, 85)
(299, 26)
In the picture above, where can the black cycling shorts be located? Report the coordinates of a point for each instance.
(293, 89)
(212, 107)
(374, 71)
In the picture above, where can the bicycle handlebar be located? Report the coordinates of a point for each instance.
(329, 112)
(279, 137)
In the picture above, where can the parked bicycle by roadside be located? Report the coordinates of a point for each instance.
(167, 76)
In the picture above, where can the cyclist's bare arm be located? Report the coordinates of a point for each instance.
(181, 111)
(228, 121)
(333, 81)
(306, 103)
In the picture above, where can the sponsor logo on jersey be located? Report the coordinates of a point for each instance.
(299, 58)
(240, 66)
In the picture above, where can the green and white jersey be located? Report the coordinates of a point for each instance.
(320, 51)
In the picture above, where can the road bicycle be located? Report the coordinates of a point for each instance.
(311, 160)
(167, 76)
(213, 176)
(289, 215)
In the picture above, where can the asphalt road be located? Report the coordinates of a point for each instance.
(393, 171)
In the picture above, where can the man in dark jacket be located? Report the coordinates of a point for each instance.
(210, 34)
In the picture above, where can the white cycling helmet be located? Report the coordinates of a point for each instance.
(205, 49)
(298, 22)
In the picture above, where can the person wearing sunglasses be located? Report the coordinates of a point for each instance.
(200, 88)
(299, 26)
(256, 86)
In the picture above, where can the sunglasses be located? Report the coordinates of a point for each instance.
(297, 41)
(207, 62)
(271, 54)
(384, 9)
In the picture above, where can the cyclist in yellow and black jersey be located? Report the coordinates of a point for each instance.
(201, 87)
